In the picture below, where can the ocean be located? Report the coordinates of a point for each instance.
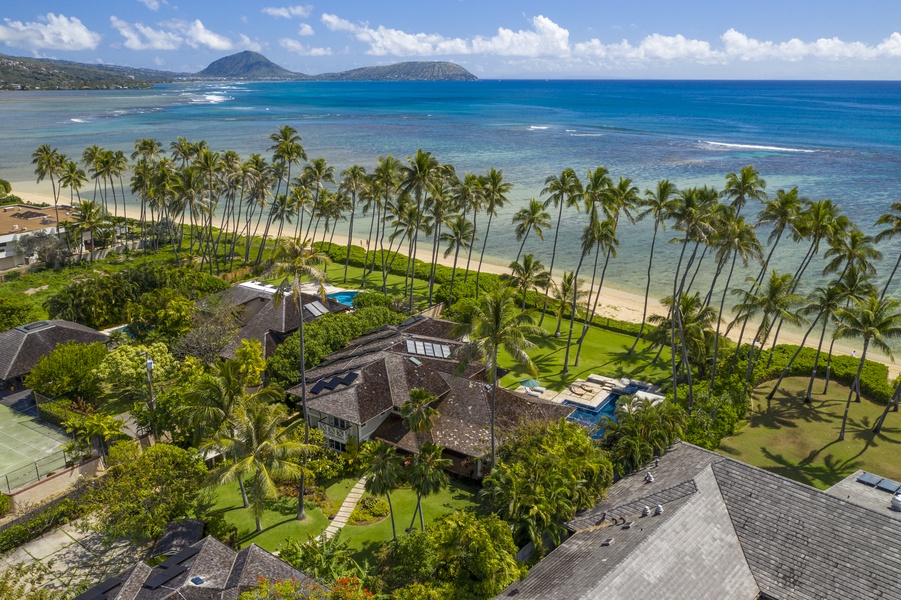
(838, 140)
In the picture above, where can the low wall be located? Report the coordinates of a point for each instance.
(39, 491)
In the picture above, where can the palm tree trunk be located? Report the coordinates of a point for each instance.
(523, 245)
(829, 365)
(482, 255)
(391, 512)
(792, 360)
(673, 309)
(572, 317)
(890, 277)
(450, 295)
(647, 289)
(301, 513)
(475, 216)
(719, 319)
(855, 385)
(350, 234)
(892, 401)
(816, 363)
(592, 307)
(493, 402)
(434, 267)
(550, 272)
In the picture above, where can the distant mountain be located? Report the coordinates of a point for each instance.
(17, 73)
(247, 65)
(405, 71)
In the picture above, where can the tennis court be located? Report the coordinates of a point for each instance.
(24, 440)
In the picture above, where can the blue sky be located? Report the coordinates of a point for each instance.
(794, 39)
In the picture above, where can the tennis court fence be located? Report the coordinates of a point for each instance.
(36, 471)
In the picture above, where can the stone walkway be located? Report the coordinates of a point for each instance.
(347, 507)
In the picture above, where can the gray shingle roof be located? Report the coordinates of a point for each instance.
(22, 347)
(728, 530)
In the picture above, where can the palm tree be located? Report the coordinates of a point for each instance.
(825, 301)
(427, 475)
(385, 182)
(439, 208)
(461, 236)
(49, 163)
(875, 320)
(659, 204)
(73, 178)
(697, 321)
(562, 190)
(418, 414)
(892, 220)
(294, 260)
(267, 450)
(353, 182)
(418, 177)
(591, 237)
(743, 186)
(563, 292)
(494, 194)
(287, 151)
(528, 274)
(89, 217)
(533, 217)
(494, 324)
(470, 197)
(383, 472)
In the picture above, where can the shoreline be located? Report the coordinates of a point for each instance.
(614, 303)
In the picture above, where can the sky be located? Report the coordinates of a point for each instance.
(498, 39)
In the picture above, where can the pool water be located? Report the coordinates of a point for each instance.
(592, 417)
(344, 297)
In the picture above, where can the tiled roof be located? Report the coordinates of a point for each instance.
(728, 530)
(22, 347)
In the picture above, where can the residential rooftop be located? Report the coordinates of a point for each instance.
(22, 218)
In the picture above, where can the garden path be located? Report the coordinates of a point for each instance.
(347, 508)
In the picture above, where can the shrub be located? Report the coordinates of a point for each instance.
(5, 505)
(41, 522)
(369, 509)
(57, 412)
(372, 299)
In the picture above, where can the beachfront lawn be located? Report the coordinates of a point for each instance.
(604, 352)
(365, 540)
(800, 441)
(279, 517)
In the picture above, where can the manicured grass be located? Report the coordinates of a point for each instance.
(800, 441)
(364, 540)
(279, 517)
(603, 353)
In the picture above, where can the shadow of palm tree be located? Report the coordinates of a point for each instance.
(829, 472)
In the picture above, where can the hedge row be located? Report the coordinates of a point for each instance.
(41, 522)
(56, 412)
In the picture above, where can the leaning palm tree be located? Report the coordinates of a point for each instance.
(383, 472)
(427, 475)
(526, 275)
(460, 236)
(531, 218)
(418, 177)
(824, 301)
(497, 323)
(49, 163)
(874, 320)
(697, 321)
(353, 182)
(267, 450)
(892, 220)
(494, 192)
(293, 260)
(564, 190)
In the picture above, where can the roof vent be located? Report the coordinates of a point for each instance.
(658, 510)
(628, 525)
(197, 580)
(896, 502)
(648, 478)
(607, 542)
(646, 511)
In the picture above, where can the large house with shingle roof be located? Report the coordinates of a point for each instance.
(22, 347)
(359, 390)
(698, 525)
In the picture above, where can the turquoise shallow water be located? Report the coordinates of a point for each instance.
(840, 140)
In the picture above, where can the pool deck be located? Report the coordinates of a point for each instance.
(591, 392)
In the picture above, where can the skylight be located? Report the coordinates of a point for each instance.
(428, 349)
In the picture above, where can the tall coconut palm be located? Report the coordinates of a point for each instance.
(563, 292)
(892, 221)
(88, 218)
(418, 177)
(386, 178)
(48, 162)
(658, 204)
(73, 178)
(293, 260)
(874, 320)
(383, 472)
(563, 191)
(854, 286)
(418, 414)
(439, 209)
(353, 183)
(532, 217)
(697, 321)
(267, 450)
(460, 236)
(591, 237)
(494, 194)
(743, 186)
(824, 302)
(470, 197)
(287, 150)
(427, 475)
(497, 323)
(526, 275)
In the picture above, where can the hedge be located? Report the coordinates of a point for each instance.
(57, 412)
(5, 505)
(41, 522)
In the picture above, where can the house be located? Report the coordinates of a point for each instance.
(271, 320)
(206, 569)
(358, 392)
(21, 347)
(19, 220)
(699, 525)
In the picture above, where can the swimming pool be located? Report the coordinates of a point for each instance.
(592, 417)
(346, 297)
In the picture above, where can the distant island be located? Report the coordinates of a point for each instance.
(19, 73)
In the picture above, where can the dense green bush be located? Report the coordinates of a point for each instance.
(56, 412)
(44, 520)
(5, 505)
(371, 299)
(369, 509)
(68, 371)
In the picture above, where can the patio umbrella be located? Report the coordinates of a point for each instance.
(530, 383)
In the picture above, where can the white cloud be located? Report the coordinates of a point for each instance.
(249, 44)
(546, 38)
(151, 4)
(141, 37)
(298, 48)
(288, 12)
(196, 35)
(50, 32)
(305, 30)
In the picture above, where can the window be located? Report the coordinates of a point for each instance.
(335, 445)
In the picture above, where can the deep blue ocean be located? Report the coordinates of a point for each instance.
(838, 140)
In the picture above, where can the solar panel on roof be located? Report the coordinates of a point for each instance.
(177, 559)
(411, 346)
(314, 310)
(428, 349)
(320, 385)
(869, 479)
(350, 378)
(887, 485)
(445, 351)
(317, 308)
(99, 591)
(162, 578)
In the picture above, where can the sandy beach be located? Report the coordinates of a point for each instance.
(613, 303)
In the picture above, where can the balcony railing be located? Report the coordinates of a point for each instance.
(334, 431)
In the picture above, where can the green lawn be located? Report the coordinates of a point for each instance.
(364, 540)
(603, 353)
(279, 522)
(800, 441)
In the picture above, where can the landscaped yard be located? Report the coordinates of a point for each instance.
(800, 441)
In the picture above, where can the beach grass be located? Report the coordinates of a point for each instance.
(800, 441)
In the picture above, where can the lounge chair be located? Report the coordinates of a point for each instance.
(533, 392)
(576, 391)
(540, 390)
(588, 388)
